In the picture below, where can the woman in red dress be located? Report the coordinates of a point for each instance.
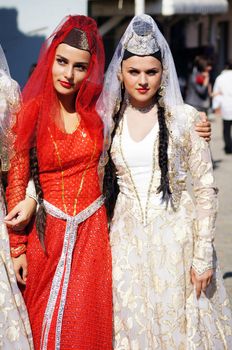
(65, 260)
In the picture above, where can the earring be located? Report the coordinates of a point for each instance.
(161, 90)
(160, 95)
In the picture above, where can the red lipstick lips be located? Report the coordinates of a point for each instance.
(66, 84)
(142, 90)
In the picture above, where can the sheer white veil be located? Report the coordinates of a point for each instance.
(142, 37)
(9, 104)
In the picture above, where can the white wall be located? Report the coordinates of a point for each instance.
(24, 24)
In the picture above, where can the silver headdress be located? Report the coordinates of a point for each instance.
(9, 104)
(142, 37)
(142, 41)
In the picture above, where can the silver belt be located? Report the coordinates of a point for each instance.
(63, 267)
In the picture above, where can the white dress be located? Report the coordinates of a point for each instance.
(15, 332)
(154, 247)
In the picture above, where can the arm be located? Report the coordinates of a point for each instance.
(19, 217)
(216, 100)
(205, 193)
(18, 178)
(19, 172)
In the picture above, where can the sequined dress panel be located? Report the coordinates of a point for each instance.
(154, 248)
(68, 174)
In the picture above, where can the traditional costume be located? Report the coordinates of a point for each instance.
(156, 242)
(68, 289)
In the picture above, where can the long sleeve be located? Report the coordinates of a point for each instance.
(30, 191)
(18, 178)
(205, 193)
(19, 173)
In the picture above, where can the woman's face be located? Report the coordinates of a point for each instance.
(142, 78)
(69, 69)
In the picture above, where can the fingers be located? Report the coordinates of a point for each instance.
(17, 223)
(20, 268)
(203, 116)
(12, 214)
(20, 216)
(19, 278)
(24, 274)
(198, 287)
(203, 133)
(203, 126)
(197, 284)
(204, 285)
(201, 282)
(12, 223)
(204, 130)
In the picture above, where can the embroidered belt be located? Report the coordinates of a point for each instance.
(63, 268)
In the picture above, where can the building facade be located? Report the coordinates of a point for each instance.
(191, 27)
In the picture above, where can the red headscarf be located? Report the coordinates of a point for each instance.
(40, 103)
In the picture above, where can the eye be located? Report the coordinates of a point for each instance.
(133, 72)
(152, 72)
(60, 61)
(81, 67)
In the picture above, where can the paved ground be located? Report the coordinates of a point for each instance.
(223, 174)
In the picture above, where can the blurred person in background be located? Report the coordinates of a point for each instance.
(199, 87)
(222, 103)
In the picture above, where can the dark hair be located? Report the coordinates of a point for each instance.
(164, 186)
(41, 215)
(228, 64)
(110, 186)
(201, 63)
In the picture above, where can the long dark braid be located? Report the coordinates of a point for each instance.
(110, 185)
(41, 215)
(163, 155)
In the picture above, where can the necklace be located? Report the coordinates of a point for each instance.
(143, 110)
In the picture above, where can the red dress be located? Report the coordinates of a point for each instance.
(68, 172)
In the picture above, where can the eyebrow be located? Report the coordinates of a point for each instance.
(65, 59)
(145, 70)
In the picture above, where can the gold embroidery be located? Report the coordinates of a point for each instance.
(62, 174)
(82, 178)
(61, 169)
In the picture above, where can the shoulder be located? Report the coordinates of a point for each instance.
(191, 114)
(185, 115)
(181, 119)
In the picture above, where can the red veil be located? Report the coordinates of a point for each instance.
(40, 104)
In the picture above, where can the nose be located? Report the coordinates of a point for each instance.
(143, 79)
(69, 72)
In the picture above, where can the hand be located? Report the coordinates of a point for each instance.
(201, 282)
(203, 127)
(20, 268)
(19, 217)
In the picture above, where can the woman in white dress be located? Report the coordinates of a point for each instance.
(167, 288)
(15, 332)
